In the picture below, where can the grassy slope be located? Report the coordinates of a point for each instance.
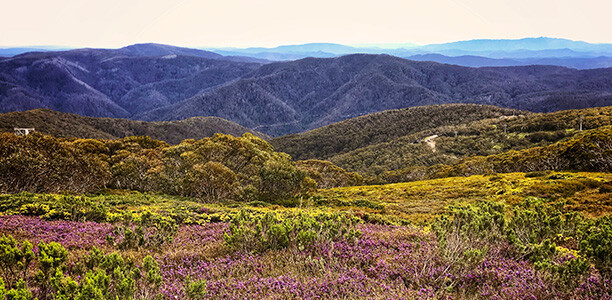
(70, 125)
(589, 193)
(585, 192)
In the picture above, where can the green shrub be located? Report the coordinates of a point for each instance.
(565, 268)
(117, 277)
(2, 289)
(20, 292)
(484, 221)
(597, 245)
(152, 273)
(195, 289)
(465, 235)
(81, 209)
(533, 228)
(34, 209)
(148, 231)
(51, 259)
(570, 271)
(273, 231)
(103, 276)
(94, 286)
(54, 207)
(64, 286)
(14, 260)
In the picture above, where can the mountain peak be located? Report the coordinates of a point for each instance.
(154, 49)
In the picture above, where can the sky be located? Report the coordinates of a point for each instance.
(269, 23)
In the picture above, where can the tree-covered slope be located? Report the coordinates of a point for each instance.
(75, 126)
(371, 129)
(221, 167)
(289, 97)
(112, 82)
(484, 137)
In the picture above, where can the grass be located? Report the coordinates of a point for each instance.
(400, 203)
(420, 201)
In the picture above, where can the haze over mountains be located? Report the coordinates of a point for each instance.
(472, 53)
(156, 82)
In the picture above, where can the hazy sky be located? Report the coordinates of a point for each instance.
(116, 23)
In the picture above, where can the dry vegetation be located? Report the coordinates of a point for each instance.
(589, 193)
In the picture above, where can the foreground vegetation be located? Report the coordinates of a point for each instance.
(506, 236)
(122, 245)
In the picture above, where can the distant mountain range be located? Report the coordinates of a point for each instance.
(112, 83)
(508, 45)
(472, 53)
(8, 52)
(481, 61)
(155, 82)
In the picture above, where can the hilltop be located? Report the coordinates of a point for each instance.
(74, 126)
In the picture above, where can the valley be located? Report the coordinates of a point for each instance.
(163, 83)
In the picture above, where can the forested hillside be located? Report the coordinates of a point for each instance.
(112, 82)
(75, 126)
(454, 142)
(589, 150)
(290, 97)
(371, 129)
